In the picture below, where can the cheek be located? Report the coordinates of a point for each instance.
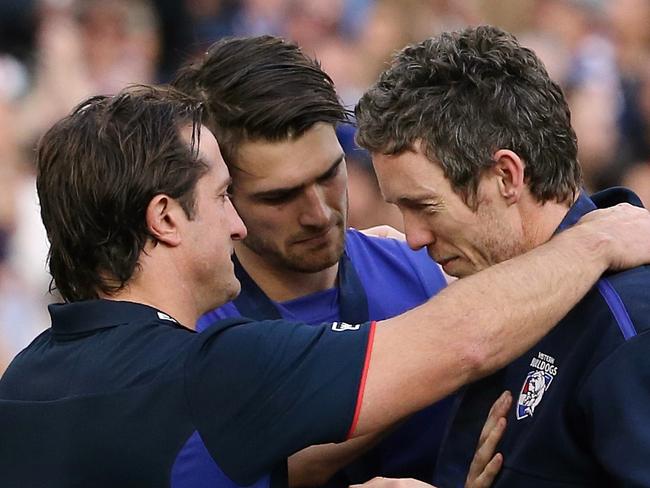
(270, 223)
(337, 196)
(256, 216)
(463, 231)
(448, 227)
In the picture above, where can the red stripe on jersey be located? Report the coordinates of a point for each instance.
(364, 375)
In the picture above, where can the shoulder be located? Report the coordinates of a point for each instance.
(361, 246)
(626, 294)
(379, 259)
(236, 336)
(357, 239)
(18, 372)
(612, 320)
(248, 347)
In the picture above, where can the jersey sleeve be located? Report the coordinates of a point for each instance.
(616, 398)
(260, 391)
(428, 271)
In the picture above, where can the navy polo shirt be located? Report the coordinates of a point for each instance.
(110, 394)
(581, 396)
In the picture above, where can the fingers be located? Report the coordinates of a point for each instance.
(486, 478)
(384, 231)
(499, 409)
(622, 231)
(486, 464)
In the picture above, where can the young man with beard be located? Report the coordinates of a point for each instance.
(473, 141)
(275, 114)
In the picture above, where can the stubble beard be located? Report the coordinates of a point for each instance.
(299, 258)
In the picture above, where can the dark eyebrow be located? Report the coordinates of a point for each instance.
(331, 169)
(280, 192)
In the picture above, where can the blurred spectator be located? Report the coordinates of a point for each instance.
(17, 27)
(23, 279)
(311, 22)
(258, 17)
(637, 176)
(367, 207)
(86, 47)
(82, 47)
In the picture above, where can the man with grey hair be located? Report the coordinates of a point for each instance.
(473, 141)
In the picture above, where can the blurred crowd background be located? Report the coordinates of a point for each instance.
(53, 53)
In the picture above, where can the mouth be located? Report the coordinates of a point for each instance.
(445, 261)
(315, 237)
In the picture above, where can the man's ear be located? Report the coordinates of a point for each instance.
(509, 170)
(163, 217)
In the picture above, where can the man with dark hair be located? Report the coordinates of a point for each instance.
(473, 141)
(275, 113)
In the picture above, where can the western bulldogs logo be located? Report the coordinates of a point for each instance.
(535, 384)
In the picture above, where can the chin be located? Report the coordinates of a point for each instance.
(225, 293)
(315, 264)
(459, 271)
(233, 292)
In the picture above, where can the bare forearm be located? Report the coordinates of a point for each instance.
(512, 306)
(315, 465)
(476, 326)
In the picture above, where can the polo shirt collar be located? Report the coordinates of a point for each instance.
(583, 205)
(90, 315)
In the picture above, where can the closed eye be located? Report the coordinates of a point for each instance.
(280, 197)
(418, 206)
(226, 195)
(431, 208)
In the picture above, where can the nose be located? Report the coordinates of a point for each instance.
(418, 233)
(238, 229)
(315, 211)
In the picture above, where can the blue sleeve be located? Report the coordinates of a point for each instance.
(394, 277)
(616, 402)
(426, 269)
(260, 391)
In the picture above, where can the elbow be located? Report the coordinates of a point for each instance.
(477, 360)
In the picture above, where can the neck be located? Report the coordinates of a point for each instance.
(279, 283)
(163, 288)
(540, 221)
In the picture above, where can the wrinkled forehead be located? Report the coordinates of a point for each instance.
(408, 175)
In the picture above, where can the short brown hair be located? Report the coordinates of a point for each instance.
(98, 169)
(260, 88)
(466, 94)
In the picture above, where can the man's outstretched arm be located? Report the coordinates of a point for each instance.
(482, 322)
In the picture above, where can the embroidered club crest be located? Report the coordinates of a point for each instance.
(536, 383)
